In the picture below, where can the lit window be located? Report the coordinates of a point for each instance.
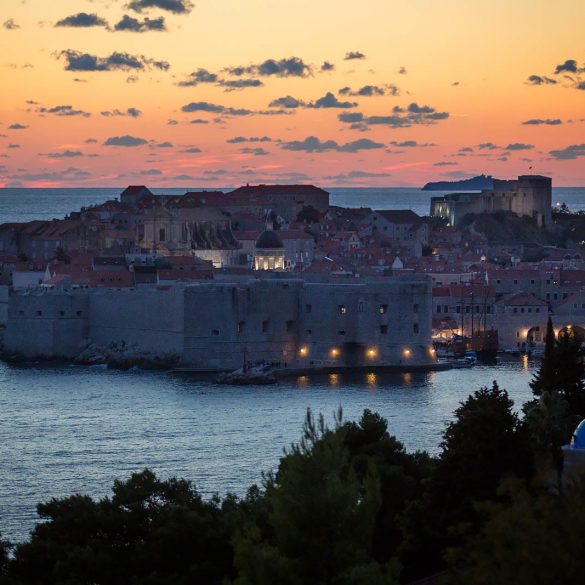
(342, 309)
(383, 309)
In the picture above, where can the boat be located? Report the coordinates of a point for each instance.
(248, 375)
(251, 377)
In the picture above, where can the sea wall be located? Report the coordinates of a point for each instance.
(215, 325)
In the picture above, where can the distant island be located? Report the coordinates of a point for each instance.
(474, 184)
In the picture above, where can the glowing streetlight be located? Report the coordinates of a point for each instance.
(406, 353)
(334, 353)
(372, 353)
(304, 351)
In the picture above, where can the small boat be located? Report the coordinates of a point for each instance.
(250, 377)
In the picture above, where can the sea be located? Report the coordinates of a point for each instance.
(72, 429)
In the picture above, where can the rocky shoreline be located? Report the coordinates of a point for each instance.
(117, 357)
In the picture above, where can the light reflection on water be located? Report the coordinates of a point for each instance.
(71, 429)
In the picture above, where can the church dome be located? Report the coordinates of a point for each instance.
(579, 436)
(269, 240)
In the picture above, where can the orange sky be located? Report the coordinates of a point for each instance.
(95, 94)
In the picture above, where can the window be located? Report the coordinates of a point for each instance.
(415, 328)
(341, 332)
(308, 308)
(61, 313)
(361, 307)
(241, 325)
(382, 309)
(39, 313)
(265, 326)
(342, 309)
(290, 326)
(308, 331)
(78, 313)
(458, 309)
(498, 281)
(384, 329)
(537, 310)
(515, 281)
(21, 313)
(215, 332)
(515, 310)
(415, 308)
(438, 308)
(162, 235)
(532, 281)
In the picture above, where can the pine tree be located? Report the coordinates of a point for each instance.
(546, 377)
(570, 374)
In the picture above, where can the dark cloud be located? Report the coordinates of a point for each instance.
(192, 150)
(14, 146)
(569, 153)
(356, 175)
(400, 118)
(569, 66)
(314, 144)
(129, 24)
(197, 77)
(255, 151)
(172, 122)
(540, 80)
(151, 172)
(580, 85)
(352, 55)
(17, 127)
(77, 61)
(445, 164)
(69, 174)
(65, 154)
(350, 117)
(402, 71)
(519, 146)
(330, 101)
(166, 144)
(199, 121)
(63, 111)
(232, 84)
(327, 66)
(371, 91)
(82, 20)
(458, 175)
(240, 139)
(411, 144)
(215, 108)
(10, 24)
(125, 141)
(174, 6)
(542, 122)
(226, 111)
(289, 67)
(131, 112)
(488, 146)
(91, 141)
(286, 102)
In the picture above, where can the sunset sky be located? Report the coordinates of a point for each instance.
(216, 93)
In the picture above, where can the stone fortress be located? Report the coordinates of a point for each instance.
(529, 195)
(211, 325)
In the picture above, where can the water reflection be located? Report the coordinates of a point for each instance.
(334, 380)
(372, 380)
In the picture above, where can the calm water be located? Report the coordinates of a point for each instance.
(28, 204)
(75, 429)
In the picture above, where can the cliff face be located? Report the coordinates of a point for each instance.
(474, 184)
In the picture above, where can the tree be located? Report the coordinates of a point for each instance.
(550, 424)
(570, 374)
(485, 443)
(5, 547)
(527, 539)
(150, 531)
(545, 378)
(562, 369)
(322, 518)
